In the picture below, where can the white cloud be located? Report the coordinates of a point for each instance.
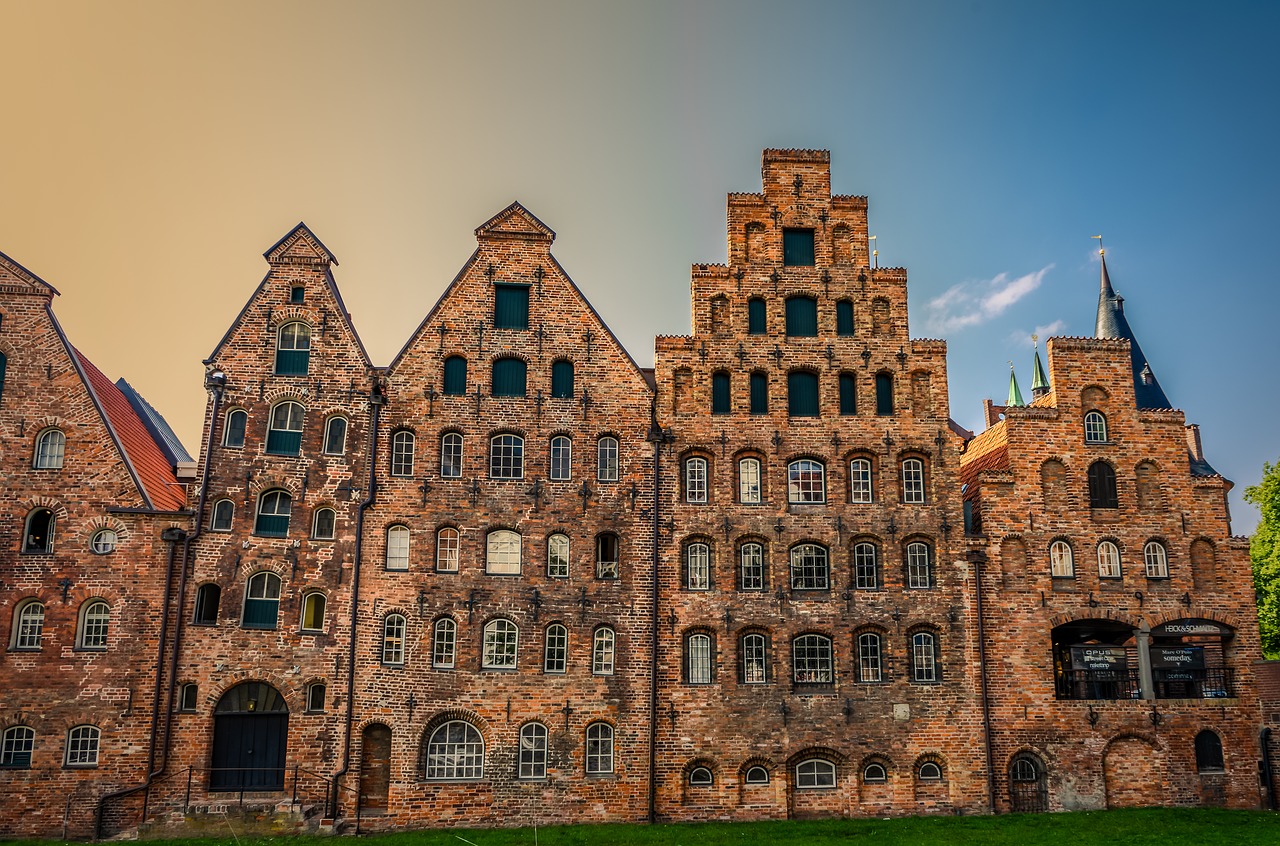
(972, 303)
(1023, 338)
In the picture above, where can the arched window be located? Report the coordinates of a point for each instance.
(95, 617)
(188, 697)
(860, 484)
(261, 601)
(1062, 564)
(802, 317)
(501, 638)
(913, 487)
(848, 394)
(562, 380)
(533, 751)
(313, 606)
(759, 393)
(815, 774)
(233, 432)
(402, 448)
(884, 394)
(397, 548)
(844, 317)
(335, 436)
(802, 393)
(455, 376)
(104, 542)
(929, 771)
(924, 657)
(756, 316)
(38, 537)
(1102, 486)
(1109, 560)
(558, 556)
(757, 775)
(607, 459)
(749, 490)
(555, 651)
(15, 750)
(1157, 560)
(509, 375)
(502, 553)
(1209, 752)
(809, 567)
(870, 658)
(697, 566)
(82, 746)
(274, 508)
(806, 482)
(695, 480)
(607, 555)
(51, 448)
(444, 643)
(28, 625)
(315, 697)
(451, 455)
(223, 512)
(599, 748)
(866, 566)
(506, 457)
(455, 751)
(751, 567)
(875, 773)
(393, 632)
(753, 658)
(561, 458)
(1095, 428)
(447, 550)
(701, 777)
(919, 565)
(698, 661)
(284, 434)
(208, 597)
(812, 661)
(602, 651)
(720, 393)
(323, 524)
(293, 349)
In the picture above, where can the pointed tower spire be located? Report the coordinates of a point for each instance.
(1113, 324)
(1015, 395)
(1039, 381)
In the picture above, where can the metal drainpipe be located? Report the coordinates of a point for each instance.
(656, 436)
(215, 382)
(982, 675)
(1267, 771)
(376, 399)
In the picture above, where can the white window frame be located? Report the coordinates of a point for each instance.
(506, 457)
(751, 566)
(913, 481)
(104, 541)
(806, 482)
(533, 752)
(94, 625)
(51, 450)
(599, 749)
(1156, 558)
(812, 659)
(444, 643)
(695, 480)
(448, 549)
(697, 566)
(28, 626)
(750, 488)
(403, 445)
(216, 525)
(502, 553)
(699, 660)
(328, 435)
(861, 485)
(501, 645)
(754, 654)
(17, 747)
(870, 657)
(810, 567)
(866, 566)
(603, 651)
(310, 599)
(558, 556)
(451, 758)
(561, 464)
(919, 565)
(451, 455)
(1109, 566)
(1095, 427)
(83, 746)
(555, 649)
(315, 524)
(394, 630)
(1062, 560)
(608, 459)
(924, 657)
(397, 557)
(815, 774)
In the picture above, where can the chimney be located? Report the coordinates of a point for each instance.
(1193, 442)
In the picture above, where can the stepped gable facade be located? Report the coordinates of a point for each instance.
(512, 578)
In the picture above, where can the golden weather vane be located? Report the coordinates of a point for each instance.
(1098, 238)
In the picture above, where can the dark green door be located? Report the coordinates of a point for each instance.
(250, 729)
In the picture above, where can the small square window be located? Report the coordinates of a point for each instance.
(797, 247)
(297, 294)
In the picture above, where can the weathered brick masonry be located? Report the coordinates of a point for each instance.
(512, 578)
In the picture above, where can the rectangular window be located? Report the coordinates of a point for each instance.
(913, 481)
(869, 666)
(558, 556)
(755, 317)
(860, 480)
(447, 550)
(797, 247)
(511, 307)
(749, 492)
(556, 655)
(811, 655)
(506, 457)
(503, 553)
(698, 667)
(607, 460)
(865, 570)
(720, 393)
(695, 480)
(848, 395)
(924, 665)
(751, 567)
(844, 317)
(755, 666)
(759, 393)
(698, 567)
(802, 317)
(393, 640)
(561, 458)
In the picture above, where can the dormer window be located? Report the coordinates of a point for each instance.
(797, 247)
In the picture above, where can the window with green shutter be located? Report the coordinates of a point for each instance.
(284, 435)
(848, 394)
(720, 393)
(562, 380)
(797, 247)
(293, 349)
(510, 306)
(509, 376)
(759, 393)
(884, 394)
(802, 394)
(455, 376)
(756, 317)
(274, 508)
(261, 601)
(844, 317)
(802, 317)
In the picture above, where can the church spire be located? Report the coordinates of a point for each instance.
(1015, 395)
(1039, 381)
(1113, 324)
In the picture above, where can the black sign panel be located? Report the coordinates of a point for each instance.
(1099, 658)
(1178, 662)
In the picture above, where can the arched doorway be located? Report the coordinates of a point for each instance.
(1028, 784)
(375, 767)
(250, 728)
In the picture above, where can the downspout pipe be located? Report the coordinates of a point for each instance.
(1267, 769)
(657, 436)
(215, 382)
(376, 401)
(978, 560)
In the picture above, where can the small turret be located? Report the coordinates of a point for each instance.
(1113, 324)
(1015, 395)
(1039, 381)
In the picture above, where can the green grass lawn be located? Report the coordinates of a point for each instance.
(1140, 827)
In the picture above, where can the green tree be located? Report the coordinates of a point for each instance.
(1264, 549)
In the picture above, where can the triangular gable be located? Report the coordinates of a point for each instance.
(300, 246)
(14, 277)
(515, 221)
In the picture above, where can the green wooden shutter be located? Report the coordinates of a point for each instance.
(802, 317)
(802, 394)
(759, 393)
(280, 442)
(884, 394)
(511, 307)
(848, 394)
(797, 247)
(509, 377)
(756, 317)
(292, 362)
(455, 375)
(261, 613)
(720, 393)
(562, 380)
(844, 317)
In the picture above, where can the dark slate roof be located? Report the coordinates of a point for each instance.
(1200, 467)
(1113, 324)
(159, 428)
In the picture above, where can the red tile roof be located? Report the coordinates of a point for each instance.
(150, 465)
(988, 451)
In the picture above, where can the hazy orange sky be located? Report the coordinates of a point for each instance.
(152, 151)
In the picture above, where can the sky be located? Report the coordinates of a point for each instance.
(152, 151)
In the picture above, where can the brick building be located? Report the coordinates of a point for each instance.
(513, 578)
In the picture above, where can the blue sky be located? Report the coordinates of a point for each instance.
(153, 151)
